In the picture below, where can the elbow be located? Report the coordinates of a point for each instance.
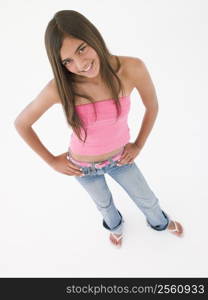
(18, 124)
(15, 123)
(157, 108)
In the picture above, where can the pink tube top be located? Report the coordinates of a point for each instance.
(104, 134)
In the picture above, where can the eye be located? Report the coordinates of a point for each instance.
(69, 60)
(66, 62)
(81, 49)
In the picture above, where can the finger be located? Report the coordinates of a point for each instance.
(124, 161)
(74, 171)
(124, 154)
(73, 174)
(123, 158)
(67, 173)
(74, 167)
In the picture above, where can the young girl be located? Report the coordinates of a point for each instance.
(94, 87)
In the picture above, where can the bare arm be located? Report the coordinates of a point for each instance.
(31, 113)
(143, 83)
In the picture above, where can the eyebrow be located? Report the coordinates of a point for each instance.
(74, 52)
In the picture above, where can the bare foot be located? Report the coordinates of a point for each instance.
(116, 239)
(175, 228)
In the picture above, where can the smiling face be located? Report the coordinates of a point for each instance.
(79, 58)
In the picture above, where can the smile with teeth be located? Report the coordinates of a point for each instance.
(89, 68)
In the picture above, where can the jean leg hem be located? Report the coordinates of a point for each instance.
(117, 227)
(159, 228)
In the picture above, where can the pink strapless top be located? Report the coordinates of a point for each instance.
(104, 134)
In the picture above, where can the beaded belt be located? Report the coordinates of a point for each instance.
(97, 165)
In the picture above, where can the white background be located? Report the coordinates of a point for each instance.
(49, 225)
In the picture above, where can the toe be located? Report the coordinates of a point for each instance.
(114, 241)
(179, 228)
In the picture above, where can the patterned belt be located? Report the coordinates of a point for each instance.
(97, 165)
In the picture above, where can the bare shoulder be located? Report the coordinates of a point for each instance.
(133, 68)
(138, 76)
(130, 61)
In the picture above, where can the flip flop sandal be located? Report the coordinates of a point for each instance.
(176, 229)
(117, 240)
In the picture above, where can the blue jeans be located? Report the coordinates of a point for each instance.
(131, 179)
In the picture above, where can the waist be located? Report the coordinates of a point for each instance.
(98, 164)
(94, 157)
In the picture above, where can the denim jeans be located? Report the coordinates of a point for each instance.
(133, 182)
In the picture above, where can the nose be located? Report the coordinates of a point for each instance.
(81, 66)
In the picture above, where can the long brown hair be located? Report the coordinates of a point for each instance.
(70, 23)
